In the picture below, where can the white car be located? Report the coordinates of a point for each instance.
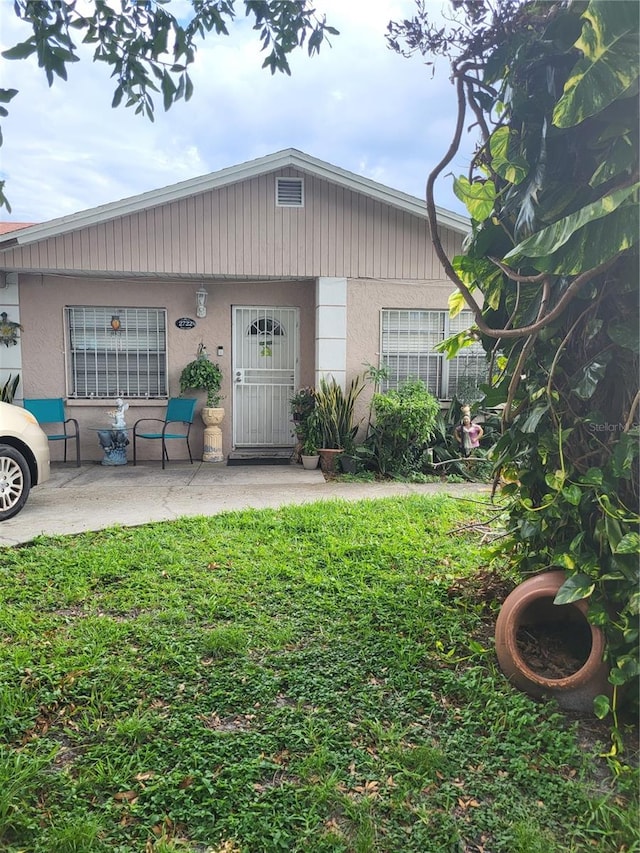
(24, 458)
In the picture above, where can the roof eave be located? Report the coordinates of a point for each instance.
(224, 177)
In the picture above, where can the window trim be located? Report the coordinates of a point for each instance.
(443, 368)
(131, 355)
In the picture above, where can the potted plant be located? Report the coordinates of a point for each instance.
(203, 375)
(309, 454)
(335, 413)
(302, 405)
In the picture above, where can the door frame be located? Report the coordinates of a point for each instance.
(236, 310)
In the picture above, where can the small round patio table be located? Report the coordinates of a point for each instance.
(114, 441)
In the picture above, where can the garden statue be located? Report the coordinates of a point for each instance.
(119, 413)
(467, 433)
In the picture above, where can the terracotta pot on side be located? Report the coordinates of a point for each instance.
(531, 603)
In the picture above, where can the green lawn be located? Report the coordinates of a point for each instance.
(317, 678)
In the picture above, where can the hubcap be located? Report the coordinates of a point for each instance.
(11, 483)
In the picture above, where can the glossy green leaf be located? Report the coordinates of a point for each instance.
(533, 420)
(576, 542)
(452, 345)
(629, 544)
(555, 480)
(609, 66)
(575, 588)
(457, 303)
(601, 706)
(620, 159)
(593, 477)
(478, 197)
(617, 677)
(624, 332)
(572, 494)
(624, 454)
(509, 165)
(564, 561)
(544, 243)
(589, 378)
(529, 529)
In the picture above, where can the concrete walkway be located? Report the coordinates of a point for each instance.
(94, 497)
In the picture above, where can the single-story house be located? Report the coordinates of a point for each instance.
(308, 271)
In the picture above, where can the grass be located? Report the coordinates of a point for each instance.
(317, 679)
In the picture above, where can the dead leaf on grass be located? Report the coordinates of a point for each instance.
(469, 803)
(142, 777)
(126, 796)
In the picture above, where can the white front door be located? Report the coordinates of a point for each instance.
(265, 373)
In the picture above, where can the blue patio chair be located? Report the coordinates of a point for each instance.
(50, 410)
(179, 410)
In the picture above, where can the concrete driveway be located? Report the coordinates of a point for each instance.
(94, 497)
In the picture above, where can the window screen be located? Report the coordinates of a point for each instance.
(119, 353)
(408, 338)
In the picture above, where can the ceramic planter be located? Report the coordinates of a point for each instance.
(212, 417)
(310, 462)
(528, 613)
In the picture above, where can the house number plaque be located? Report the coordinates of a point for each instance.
(186, 323)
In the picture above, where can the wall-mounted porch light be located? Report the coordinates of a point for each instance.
(201, 301)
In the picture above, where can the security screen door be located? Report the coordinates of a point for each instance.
(265, 366)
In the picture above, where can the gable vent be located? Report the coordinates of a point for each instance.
(289, 192)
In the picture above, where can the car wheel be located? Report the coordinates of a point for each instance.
(15, 481)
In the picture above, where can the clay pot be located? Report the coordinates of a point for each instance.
(328, 458)
(530, 608)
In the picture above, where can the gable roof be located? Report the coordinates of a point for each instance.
(289, 157)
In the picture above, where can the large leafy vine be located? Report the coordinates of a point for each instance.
(551, 274)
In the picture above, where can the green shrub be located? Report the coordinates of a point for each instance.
(403, 425)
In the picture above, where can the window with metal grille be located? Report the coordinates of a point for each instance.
(117, 353)
(289, 192)
(407, 341)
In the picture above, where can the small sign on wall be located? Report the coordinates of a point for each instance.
(186, 323)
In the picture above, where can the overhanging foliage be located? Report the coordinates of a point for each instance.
(553, 197)
(148, 48)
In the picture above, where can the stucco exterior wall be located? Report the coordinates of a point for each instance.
(43, 300)
(365, 301)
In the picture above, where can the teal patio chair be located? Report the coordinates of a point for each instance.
(180, 410)
(50, 410)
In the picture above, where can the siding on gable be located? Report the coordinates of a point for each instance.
(237, 230)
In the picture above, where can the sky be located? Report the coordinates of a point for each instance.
(356, 105)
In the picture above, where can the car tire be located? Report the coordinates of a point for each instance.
(15, 481)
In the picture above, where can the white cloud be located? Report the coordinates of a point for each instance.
(356, 105)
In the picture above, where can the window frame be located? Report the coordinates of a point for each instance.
(99, 358)
(440, 324)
